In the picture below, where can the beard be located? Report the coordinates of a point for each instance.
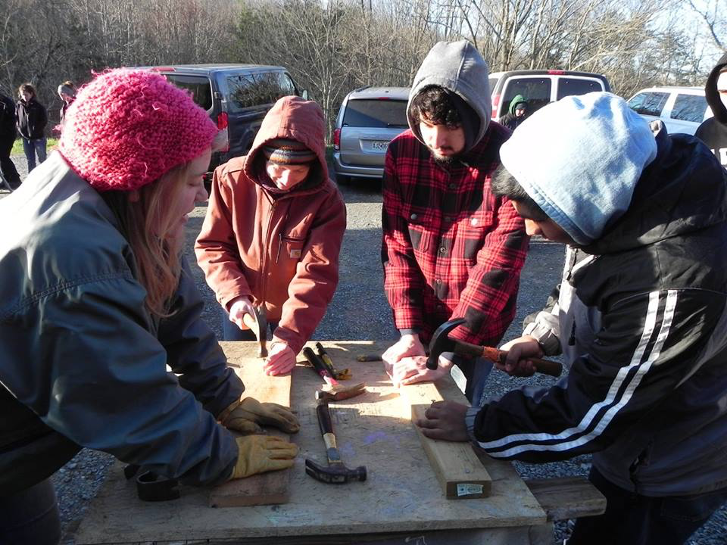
(444, 161)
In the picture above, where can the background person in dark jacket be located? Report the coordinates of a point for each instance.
(7, 139)
(713, 131)
(641, 319)
(32, 118)
(517, 112)
(95, 303)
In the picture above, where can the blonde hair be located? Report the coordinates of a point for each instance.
(146, 223)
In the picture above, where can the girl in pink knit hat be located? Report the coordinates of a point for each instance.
(96, 301)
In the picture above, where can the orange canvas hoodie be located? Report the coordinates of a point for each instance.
(278, 248)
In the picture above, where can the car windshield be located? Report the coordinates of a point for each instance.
(648, 103)
(376, 113)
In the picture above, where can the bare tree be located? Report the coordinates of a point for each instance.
(711, 13)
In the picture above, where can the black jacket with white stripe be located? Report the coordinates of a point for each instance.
(641, 319)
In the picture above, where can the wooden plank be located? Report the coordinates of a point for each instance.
(400, 495)
(267, 488)
(458, 469)
(566, 498)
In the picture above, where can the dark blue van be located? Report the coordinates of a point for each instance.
(237, 97)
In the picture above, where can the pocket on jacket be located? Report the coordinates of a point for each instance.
(475, 227)
(418, 231)
(291, 248)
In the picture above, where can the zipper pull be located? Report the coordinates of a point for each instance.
(572, 338)
(280, 246)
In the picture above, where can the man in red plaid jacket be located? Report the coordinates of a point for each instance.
(451, 249)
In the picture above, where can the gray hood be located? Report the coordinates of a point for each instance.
(458, 67)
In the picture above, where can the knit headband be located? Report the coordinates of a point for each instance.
(286, 151)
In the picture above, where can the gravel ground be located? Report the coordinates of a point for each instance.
(359, 311)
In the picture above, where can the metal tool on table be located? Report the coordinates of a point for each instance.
(368, 357)
(344, 374)
(442, 343)
(259, 325)
(335, 472)
(151, 486)
(334, 390)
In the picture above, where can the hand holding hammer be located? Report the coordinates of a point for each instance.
(242, 312)
(442, 343)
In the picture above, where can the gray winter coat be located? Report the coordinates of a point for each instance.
(83, 362)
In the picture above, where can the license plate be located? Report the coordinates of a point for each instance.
(380, 145)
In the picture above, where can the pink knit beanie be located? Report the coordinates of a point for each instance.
(128, 127)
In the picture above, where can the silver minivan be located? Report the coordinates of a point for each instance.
(368, 120)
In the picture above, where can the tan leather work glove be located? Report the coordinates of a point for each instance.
(261, 453)
(249, 414)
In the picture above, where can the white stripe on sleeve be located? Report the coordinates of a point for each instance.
(622, 377)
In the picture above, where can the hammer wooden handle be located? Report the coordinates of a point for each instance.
(547, 367)
(329, 438)
(250, 322)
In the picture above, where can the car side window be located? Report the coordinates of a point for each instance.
(199, 86)
(577, 86)
(260, 89)
(689, 108)
(649, 103)
(287, 87)
(535, 90)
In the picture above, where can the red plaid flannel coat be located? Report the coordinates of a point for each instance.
(451, 249)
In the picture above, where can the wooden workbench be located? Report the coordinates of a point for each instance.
(401, 502)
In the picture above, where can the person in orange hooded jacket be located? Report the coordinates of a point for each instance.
(273, 232)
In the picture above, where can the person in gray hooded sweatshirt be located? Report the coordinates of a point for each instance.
(451, 249)
(640, 319)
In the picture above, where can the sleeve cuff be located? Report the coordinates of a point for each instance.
(231, 407)
(469, 421)
(545, 336)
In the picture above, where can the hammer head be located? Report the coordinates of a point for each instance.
(339, 392)
(261, 331)
(334, 473)
(441, 342)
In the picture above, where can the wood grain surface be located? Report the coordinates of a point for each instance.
(460, 472)
(401, 494)
(267, 488)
